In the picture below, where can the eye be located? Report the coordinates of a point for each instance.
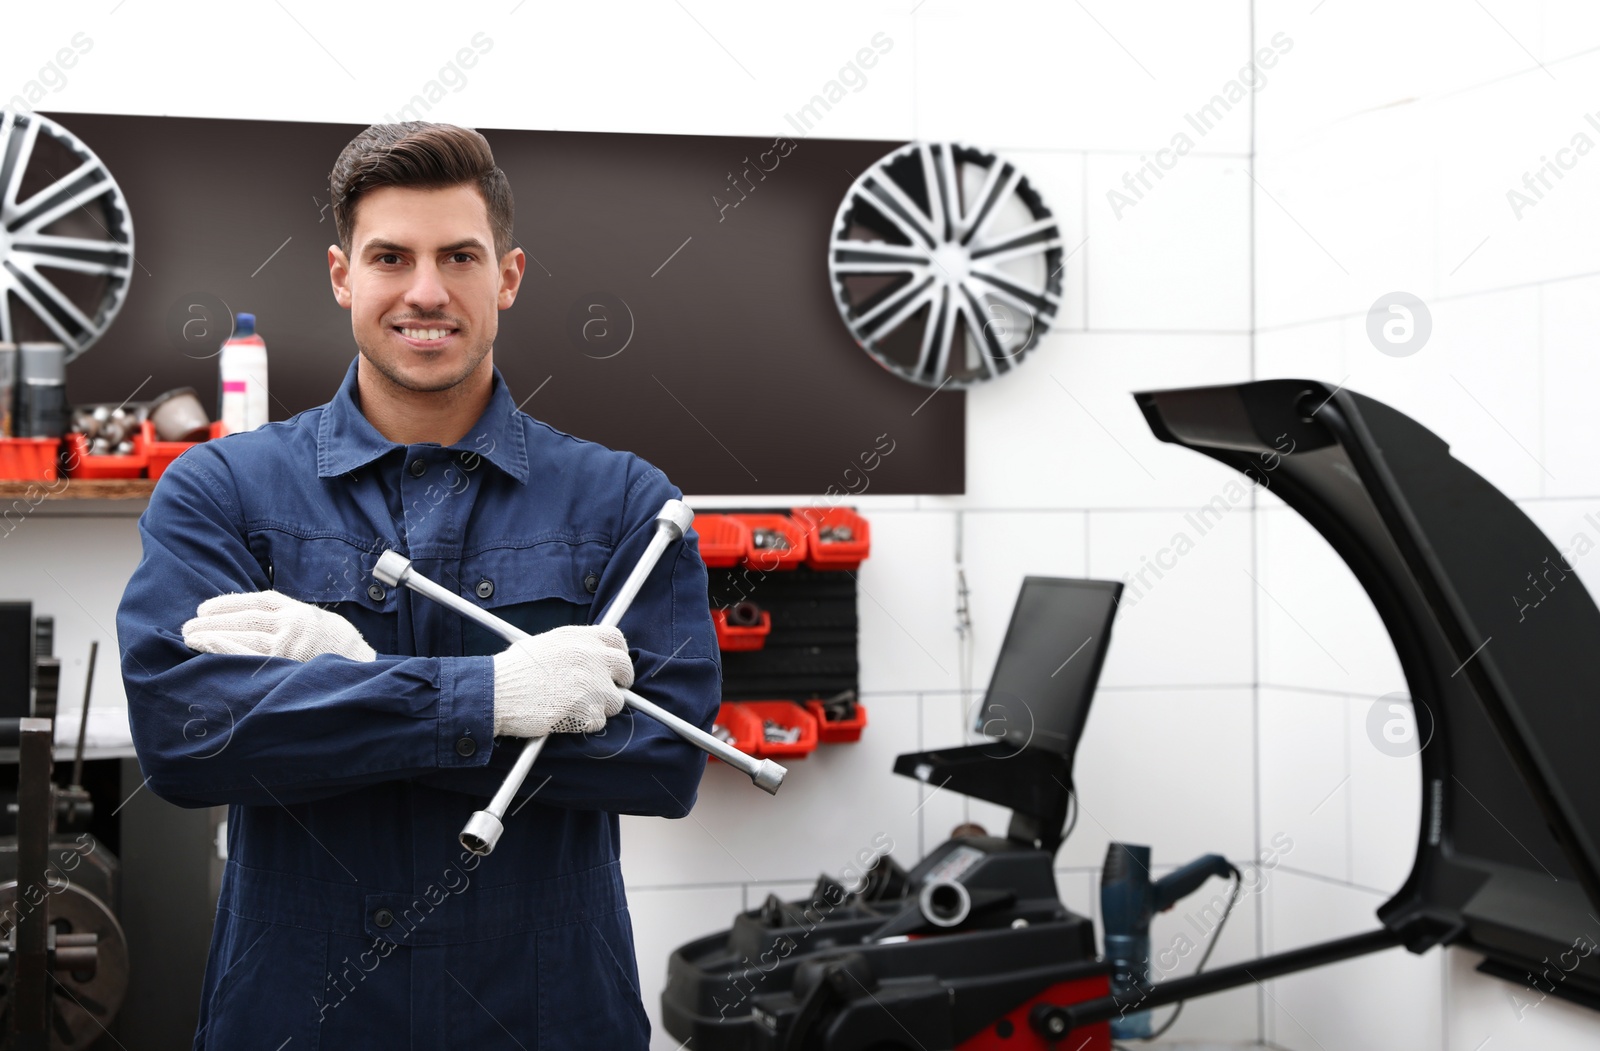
(388, 259)
(463, 257)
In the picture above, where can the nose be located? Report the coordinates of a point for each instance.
(427, 291)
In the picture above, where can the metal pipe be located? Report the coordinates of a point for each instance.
(483, 829)
(945, 903)
(29, 980)
(83, 716)
(1056, 1021)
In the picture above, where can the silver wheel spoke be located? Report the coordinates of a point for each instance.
(79, 186)
(902, 303)
(893, 198)
(18, 153)
(1036, 232)
(878, 257)
(1030, 299)
(24, 290)
(989, 206)
(991, 352)
(938, 195)
(946, 329)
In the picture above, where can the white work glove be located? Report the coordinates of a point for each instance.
(565, 680)
(270, 624)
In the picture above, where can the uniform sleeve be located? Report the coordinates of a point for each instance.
(636, 765)
(215, 728)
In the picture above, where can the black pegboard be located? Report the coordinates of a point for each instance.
(812, 651)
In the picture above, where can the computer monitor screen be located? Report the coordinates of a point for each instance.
(1049, 663)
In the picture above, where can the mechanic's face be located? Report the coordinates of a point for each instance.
(423, 286)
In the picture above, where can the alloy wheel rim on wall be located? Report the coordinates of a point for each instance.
(945, 264)
(66, 236)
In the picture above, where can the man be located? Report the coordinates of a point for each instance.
(350, 728)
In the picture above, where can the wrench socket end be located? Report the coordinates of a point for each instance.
(391, 567)
(768, 776)
(481, 833)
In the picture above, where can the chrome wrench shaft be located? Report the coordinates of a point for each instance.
(483, 829)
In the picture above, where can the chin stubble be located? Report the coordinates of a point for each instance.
(393, 375)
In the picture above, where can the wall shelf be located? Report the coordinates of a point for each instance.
(78, 489)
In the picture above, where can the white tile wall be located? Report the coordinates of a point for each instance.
(1318, 627)
(1065, 431)
(1000, 548)
(1305, 779)
(1487, 1012)
(1388, 1001)
(907, 604)
(1147, 247)
(1027, 74)
(1189, 623)
(1173, 769)
(1385, 801)
(1569, 323)
(665, 918)
(1342, 65)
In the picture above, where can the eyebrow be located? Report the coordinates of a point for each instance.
(391, 246)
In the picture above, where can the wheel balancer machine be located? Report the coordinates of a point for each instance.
(1499, 643)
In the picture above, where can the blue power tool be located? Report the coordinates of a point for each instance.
(1128, 900)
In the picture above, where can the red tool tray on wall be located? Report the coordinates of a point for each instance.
(838, 731)
(788, 715)
(740, 638)
(723, 540)
(770, 558)
(836, 537)
(801, 631)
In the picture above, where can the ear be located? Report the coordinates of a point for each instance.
(512, 266)
(339, 275)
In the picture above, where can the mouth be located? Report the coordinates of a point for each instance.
(425, 337)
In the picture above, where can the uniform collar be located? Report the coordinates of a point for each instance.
(346, 440)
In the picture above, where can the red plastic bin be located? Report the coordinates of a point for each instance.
(737, 638)
(161, 453)
(784, 713)
(838, 731)
(823, 553)
(82, 464)
(723, 540)
(28, 459)
(769, 558)
(746, 728)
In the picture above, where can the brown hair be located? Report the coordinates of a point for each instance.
(421, 155)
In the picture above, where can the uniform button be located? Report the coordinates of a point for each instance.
(419, 467)
(375, 592)
(466, 746)
(590, 583)
(382, 918)
(485, 588)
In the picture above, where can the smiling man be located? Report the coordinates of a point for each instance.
(351, 729)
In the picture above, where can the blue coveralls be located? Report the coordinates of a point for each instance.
(350, 916)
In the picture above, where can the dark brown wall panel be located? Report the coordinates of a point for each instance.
(740, 327)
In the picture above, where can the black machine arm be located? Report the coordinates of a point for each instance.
(1055, 1021)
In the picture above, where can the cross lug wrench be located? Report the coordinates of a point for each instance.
(483, 829)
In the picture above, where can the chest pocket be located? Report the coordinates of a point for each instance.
(535, 588)
(333, 573)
